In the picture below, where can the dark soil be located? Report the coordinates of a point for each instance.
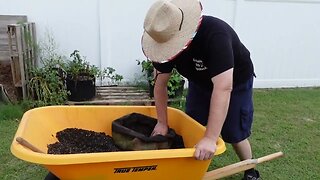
(7, 81)
(74, 140)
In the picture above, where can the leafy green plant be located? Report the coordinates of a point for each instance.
(146, 67)
(175, 83)
(111, 74)
(147, 70)
(46, 84)
(80, 69)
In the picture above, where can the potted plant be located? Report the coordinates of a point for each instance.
(81, 78)
(113, 78)
(175, 83)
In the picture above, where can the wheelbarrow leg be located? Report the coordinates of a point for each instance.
(239, 167)
(51, 176)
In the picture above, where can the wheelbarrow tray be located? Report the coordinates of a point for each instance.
(40, 125)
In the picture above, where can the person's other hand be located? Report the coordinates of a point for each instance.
(205, 149)
(160, 129)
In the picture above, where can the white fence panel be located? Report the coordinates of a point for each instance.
(284, 38)
(282, 35)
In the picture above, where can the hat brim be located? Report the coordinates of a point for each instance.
(163, 52)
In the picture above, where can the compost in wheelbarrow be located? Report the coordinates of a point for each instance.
(75, 140)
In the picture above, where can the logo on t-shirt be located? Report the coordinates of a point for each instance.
(199, 65)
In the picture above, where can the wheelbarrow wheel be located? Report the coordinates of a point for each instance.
(51, 176)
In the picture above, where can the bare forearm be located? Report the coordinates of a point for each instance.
(161, 101)
(218, 111)
(219, 103)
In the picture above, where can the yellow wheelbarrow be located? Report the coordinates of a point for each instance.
(38, 127)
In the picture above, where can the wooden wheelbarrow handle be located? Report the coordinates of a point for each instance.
(28, 145)
(239, 167)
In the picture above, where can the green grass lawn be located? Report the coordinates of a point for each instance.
(286, 120)
(12, 168)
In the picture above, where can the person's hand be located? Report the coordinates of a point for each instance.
(205, 149)
(160, 129)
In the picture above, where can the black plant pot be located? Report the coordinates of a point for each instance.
(81, 89)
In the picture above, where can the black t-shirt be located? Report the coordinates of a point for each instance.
(214, 49)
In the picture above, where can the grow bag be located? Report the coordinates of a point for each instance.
(82, 89)
(133, 132)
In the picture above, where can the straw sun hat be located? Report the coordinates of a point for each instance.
(169, 27)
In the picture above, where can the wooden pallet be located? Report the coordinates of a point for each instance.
(120, 95)
(5, 20)
(22, 50)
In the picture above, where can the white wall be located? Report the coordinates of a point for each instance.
(121, 29)
(282, 35)
(73, 24)
(284, 38)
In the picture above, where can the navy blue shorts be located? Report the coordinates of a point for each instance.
(237, 125)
